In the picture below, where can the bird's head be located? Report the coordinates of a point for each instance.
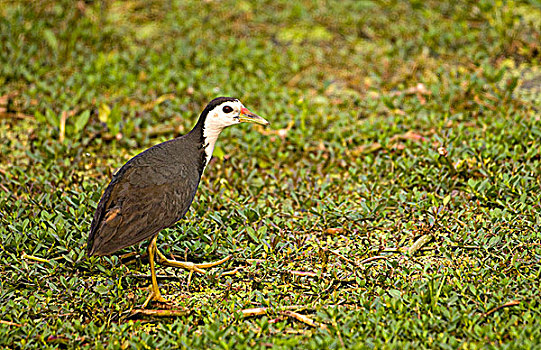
(226, 111)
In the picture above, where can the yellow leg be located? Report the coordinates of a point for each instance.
(186, 265)
(155, 294)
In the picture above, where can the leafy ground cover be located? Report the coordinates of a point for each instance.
(393, 203)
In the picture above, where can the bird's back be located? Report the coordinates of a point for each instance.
(152, 191)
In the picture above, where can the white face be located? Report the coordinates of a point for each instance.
(223, 115)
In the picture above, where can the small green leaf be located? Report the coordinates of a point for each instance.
(101, 289)
(50, 38)
(446, 200)
(113, 122)
(81, 121)
(493, 241)
(103, 113)
(395, 293)
(40, 118)
(52, 118)
(218, 153)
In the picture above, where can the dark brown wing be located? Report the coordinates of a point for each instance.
(149, 193)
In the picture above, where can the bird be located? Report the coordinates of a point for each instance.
(154, 189)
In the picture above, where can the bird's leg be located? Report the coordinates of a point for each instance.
(186, 265)
(155, 291)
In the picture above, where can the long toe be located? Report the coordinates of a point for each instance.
(189, 266)
(212, 264)
(154, 296)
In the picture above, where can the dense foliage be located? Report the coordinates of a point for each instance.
(394, 201)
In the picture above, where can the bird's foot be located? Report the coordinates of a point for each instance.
(189, 266)
(154, 295)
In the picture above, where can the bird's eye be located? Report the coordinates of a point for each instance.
(227, 109)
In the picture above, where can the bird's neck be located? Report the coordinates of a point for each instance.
(208, 135)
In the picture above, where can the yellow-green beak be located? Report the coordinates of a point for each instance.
(249, 117)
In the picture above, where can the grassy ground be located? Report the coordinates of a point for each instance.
(394, 202)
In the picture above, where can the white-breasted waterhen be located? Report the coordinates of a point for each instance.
(154, 189)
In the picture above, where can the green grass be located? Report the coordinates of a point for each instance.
(392, 124)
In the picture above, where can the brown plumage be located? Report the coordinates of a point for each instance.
(150, 192)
